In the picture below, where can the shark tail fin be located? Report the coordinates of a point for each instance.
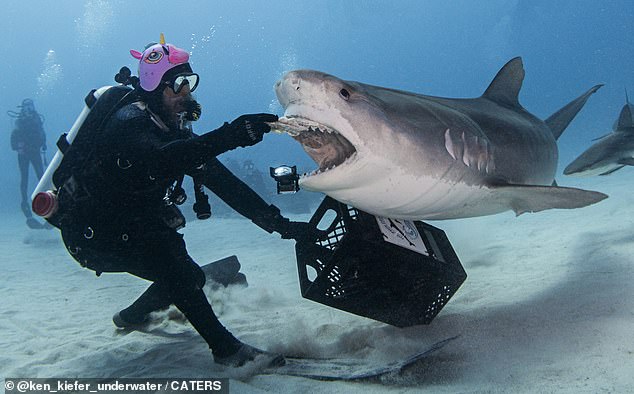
(505, 87)
(562, 118)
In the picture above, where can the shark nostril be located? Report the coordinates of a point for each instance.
(296, 82)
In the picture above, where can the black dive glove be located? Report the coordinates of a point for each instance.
(299, 231)
(245, 131)
(272, 220)
(250, 129)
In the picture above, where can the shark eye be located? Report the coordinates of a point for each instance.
(345, 94)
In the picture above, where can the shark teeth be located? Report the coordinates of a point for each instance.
(349, 160)
(325, 145)
(295, 125)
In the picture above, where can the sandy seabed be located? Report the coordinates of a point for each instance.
(548, 306)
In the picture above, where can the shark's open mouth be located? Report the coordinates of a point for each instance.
(325, 145)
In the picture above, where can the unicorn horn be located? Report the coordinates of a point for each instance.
(162, 41)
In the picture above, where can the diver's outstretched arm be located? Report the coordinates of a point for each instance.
(239, 196)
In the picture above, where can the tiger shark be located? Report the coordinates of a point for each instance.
(404, 155)
(611, 152)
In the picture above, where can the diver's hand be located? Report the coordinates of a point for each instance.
(271, 220)
(245, 131)
(248, 130)
(193, 110)
(299, 231)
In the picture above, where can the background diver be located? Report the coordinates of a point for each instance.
(28, 139)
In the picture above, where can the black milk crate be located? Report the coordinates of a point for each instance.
(355, 266)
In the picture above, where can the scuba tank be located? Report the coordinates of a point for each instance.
(75, 147)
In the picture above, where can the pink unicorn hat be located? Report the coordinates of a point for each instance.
(156, 60)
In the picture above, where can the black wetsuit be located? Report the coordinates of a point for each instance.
(28, 139)
(124, 225)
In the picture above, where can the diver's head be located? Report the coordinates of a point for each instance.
(162, 64)
(176, 87)
(166, 78)
(27, 107)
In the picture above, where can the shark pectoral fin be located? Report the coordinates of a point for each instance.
(526, 198)
(602, 137)
(611, 171)
(628, 161)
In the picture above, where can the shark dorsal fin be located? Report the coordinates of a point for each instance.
(625, 118)
(505, 87)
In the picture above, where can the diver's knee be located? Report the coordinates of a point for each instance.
(202, 279)
(197, 276)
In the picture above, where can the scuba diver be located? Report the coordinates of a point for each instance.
(119, 214)
(28, 139)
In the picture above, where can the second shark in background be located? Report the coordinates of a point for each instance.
(611, 152)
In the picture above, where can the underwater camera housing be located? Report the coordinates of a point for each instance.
(286, 178)
(399, 272)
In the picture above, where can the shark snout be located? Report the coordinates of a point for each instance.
(584, 167)
(288, 88)
(573, 170)
(581, 166)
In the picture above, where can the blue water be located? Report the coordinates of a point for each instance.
(55, 52)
